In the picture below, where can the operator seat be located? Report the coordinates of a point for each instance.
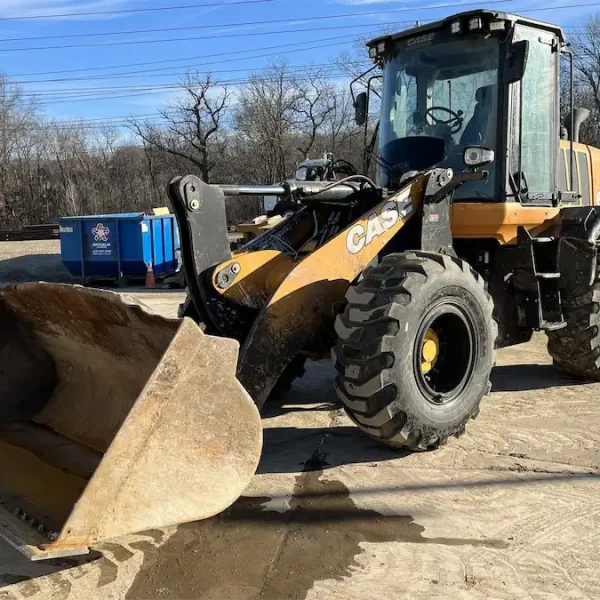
(477, 127)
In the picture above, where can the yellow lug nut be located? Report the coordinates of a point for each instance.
(429, 351)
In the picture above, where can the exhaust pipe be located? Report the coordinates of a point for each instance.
(580, 116)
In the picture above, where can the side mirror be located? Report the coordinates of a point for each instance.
(361, 108)
(517, 61)
(478, 156)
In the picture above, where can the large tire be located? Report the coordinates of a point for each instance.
(576, 348)
(381, 335)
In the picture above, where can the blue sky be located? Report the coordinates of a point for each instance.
(29, 66)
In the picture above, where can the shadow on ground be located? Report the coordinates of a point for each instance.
(318, 394)
(252, 551)
(292, 449)
(522, 378)
(34, 267)
(24, 572)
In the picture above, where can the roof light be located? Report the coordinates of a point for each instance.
(456, 27)
(497, 26)
(475, 24)
(377, 50)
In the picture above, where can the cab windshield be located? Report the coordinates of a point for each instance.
(445, 92)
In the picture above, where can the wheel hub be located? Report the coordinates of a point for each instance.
(444, 352)
(430, 351)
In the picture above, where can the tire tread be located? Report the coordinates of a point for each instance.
(364, 358)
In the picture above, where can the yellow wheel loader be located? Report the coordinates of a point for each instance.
(481, 229)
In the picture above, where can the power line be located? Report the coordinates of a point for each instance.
(183, 39)
(157, 90)
(217, 83)
(102, 91)
(123, 120)
(95, 98)
(166, 87)
(129, 74)
(295, 20)
(96, 13)
(562, 7)
(101, 120)
(283, 32)
(89, 92)
(183, 73)
(217, 54)
(238, 53)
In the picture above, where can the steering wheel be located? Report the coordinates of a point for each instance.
(455, 121)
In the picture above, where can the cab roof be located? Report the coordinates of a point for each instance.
(487, 14)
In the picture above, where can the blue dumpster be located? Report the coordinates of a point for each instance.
(119, 247)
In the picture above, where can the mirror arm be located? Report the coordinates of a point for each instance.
(356, 80)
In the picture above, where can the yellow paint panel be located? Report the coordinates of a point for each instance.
(593, 155)
(345, 256)
(498, 220)
(595, 174)
(260, 273)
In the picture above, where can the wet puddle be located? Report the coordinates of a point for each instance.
(248, 553)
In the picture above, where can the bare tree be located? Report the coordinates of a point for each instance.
(586, 50)
(315, 102)
(339, 125)
(265, 120)
(50, 169)
(17, 118)
(191, 122)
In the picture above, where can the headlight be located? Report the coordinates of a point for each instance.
(478, 156)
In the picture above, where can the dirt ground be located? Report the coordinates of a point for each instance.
(510, 510)
(32, 261)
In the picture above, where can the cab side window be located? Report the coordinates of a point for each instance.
(538, 118)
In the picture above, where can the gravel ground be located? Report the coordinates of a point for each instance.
(32, 261)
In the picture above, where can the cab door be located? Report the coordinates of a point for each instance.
(534, 122)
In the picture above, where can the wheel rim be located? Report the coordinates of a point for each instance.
(444, 352)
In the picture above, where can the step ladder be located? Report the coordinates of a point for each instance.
(537, 283)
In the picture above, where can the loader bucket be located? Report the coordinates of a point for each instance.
(113, 420)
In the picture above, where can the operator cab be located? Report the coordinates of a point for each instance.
(458, 84)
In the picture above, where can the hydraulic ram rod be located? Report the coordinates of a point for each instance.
(300, 189)
(254, 190)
